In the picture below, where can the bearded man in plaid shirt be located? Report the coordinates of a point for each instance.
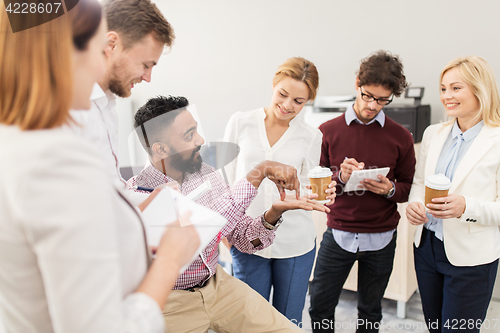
(205, 296)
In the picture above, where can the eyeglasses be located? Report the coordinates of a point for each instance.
(370, 98)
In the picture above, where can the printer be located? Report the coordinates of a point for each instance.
(415, 117)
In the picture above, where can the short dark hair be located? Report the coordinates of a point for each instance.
(168, 107)
(135, 19)
(383, 69)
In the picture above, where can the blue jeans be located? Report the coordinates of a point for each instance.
(454, 298)
(289, 278)
(332, 268)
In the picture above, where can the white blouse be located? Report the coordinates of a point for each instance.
(300, 147)
(72, 251)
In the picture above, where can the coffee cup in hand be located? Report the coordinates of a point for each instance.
(320, 179)
(436, 186)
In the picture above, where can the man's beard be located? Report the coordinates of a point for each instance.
(190, 165)
(116, 85)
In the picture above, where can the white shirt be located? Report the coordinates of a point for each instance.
(300, 147)
(72, 251)
(99, 125)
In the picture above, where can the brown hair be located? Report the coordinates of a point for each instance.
(383, 69)
(36, 84)
(299, 69)
(477, 73)
(135, 19)
(86, 18)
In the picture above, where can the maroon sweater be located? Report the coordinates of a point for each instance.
(376, 146)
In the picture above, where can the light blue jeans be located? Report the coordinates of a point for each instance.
(289, 278)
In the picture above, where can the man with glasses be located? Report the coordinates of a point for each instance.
(362, 224)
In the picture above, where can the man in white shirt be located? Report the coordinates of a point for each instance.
(135, 45)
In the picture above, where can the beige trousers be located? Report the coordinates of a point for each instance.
(225, 304)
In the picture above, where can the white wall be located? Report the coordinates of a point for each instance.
(226, 52)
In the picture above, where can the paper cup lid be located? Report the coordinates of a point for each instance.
(438, 182)
(319, 172)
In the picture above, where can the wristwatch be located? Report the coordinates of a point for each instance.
(391, 191)
(269, 225)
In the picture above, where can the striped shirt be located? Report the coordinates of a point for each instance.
(240, 229)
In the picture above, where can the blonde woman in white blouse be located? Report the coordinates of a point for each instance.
(276, 133)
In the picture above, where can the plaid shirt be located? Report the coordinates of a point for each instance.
(240, 229)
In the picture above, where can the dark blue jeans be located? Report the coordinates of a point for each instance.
(332, 268)
(454, 298)
(289, 278)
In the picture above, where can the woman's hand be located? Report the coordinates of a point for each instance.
(415, 213)
(177, 247)
(179, 244)
(447, 207)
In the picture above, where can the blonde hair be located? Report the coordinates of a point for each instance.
(36, 84)
(477, 73)
(301, 70)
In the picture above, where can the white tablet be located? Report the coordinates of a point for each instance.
(357, 176)
(163, 210)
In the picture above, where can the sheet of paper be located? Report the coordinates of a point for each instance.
(162, 211)
(357, 176)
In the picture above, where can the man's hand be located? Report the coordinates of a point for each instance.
(347, 167)
(145, 203)
(415, 213)
(383, 187)
(150, 198)
(447, 207)
(284, 176)
(291, 203)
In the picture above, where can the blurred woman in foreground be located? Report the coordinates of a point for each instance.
(73, 252)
